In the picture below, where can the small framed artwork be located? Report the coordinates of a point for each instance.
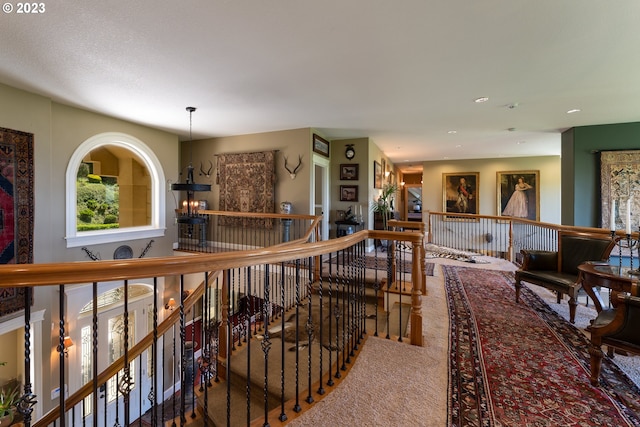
(377, 175)
(348, 193)
(519, 194)
(320, 145)
(349, 172)
(383, 166)
(460, 192)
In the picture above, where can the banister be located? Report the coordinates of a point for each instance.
(134, 352)
(23, 275)
(28, 275)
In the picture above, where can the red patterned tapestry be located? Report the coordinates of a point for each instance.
(247, 184)
(522, 364)
(16, 209)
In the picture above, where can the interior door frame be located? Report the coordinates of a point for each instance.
(322, 163)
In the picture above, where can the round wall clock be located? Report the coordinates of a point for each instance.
(350, 153)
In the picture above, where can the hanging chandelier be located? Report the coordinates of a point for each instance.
(189, 212)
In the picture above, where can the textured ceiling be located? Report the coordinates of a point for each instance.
(403, 73)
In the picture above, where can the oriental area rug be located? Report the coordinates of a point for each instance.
(16, 209)
(522, 364)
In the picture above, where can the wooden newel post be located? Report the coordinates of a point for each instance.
(416, 295)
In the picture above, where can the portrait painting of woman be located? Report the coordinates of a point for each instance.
(518, 194)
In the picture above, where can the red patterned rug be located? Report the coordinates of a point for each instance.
(16, 209)
(522, 364)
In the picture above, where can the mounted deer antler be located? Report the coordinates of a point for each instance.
(293, 173)
(208, 172)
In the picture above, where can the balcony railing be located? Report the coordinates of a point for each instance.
(497, 236)
(256, 334)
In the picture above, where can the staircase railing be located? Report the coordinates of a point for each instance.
(319, 298)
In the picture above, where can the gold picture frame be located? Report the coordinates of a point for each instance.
(518, 194)
(460, 193)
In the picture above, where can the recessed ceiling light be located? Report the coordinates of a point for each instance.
(481, 99)
(446, 158)
(459, 146)
(522, 142)
(575, 110)
(453, 131)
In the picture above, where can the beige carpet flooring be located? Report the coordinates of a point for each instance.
(395, 384)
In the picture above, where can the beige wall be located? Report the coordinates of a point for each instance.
(289, 143)
(549, 167)
(58, 130)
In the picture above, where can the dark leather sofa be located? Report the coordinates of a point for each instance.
(558, 270)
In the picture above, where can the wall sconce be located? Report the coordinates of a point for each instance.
(402, 183)
(170, 304)
(67, 342)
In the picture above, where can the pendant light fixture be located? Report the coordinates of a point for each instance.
(189, 213)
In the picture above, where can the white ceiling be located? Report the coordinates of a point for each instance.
(403, 73)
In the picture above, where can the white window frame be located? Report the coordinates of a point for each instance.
(158, 209)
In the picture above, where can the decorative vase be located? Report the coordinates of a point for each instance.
(285, 208)
(6, 419)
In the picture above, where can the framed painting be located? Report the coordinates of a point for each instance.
(349, 172)
(518, 194)
(377, 175)
(460, 192)
(619, 187)
(348, 193)
(320, 145)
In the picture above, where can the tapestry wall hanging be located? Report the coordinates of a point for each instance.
(247, 184)
(16, 209)
(620, 189)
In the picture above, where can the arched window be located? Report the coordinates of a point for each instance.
(115, 191)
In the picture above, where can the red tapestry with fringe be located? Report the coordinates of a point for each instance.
(16, 209)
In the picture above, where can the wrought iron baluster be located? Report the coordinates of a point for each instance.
(126, 384)
(183, 362)
(309, 325)
(266, 342)
(330, 278)
(248, 384)
(28, 400)
(283, 415)
(296, 406)
(154, 357)
(61, 379)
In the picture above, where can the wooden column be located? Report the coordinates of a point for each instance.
(416, 296)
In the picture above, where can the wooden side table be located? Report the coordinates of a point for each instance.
(594, 275)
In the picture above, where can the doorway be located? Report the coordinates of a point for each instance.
(413, 202)
(320, 193)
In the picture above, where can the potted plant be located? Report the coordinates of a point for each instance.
(384, 204)
(384, 207)
(8, 399)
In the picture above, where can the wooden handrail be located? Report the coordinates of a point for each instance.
(23, 275)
